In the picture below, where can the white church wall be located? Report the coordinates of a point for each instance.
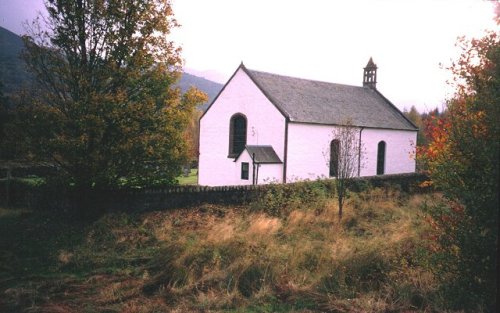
(399, 154)
(270, 173)
(309, 151)
(265, 126)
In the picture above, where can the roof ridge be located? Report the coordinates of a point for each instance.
(306, 79)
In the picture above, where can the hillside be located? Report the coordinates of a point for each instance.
(209, 87)
(13, 73)
(215, 258)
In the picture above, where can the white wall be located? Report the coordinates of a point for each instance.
(399, 154)
(270, 173)
(309, 151)
(265, 126)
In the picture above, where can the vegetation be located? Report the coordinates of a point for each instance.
(106, 109)
(462, 159)
(4, 117)
(345, 154)
(226, 259)
(418, 120)
(192, 138)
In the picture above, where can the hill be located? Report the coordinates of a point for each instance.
(13, 72)
(215, 258)
(209, 87)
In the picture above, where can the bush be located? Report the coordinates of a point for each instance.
(279, 199)
(410, 182)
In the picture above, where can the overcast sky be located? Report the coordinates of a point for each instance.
(320, 39)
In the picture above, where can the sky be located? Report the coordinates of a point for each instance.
(411, 42)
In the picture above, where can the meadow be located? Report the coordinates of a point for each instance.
(277, 254)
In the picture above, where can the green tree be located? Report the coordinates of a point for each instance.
(414, 116)
(463, 158)
(106, 109)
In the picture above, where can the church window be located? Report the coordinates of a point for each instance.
(381, 158)
(244, 170)
(334, 158)
(237, 134)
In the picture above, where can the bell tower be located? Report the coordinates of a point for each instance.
(370, 75)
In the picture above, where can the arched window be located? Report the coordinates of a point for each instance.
(237, 134)
(381, 158)
(334, 158)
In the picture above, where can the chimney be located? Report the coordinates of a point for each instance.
(370, 75)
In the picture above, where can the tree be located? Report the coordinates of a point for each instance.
(416, 118)
(462, 159)
(3, 120)
(106, 109)
(192, 136)
(3, 111)
(345, 155)
(5, 116)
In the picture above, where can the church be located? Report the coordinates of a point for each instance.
(267, 128)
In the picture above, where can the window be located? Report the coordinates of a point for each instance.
(381, 158)
(334, 158)
(237, 134)
(244, 170)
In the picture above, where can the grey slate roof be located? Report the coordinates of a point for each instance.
(263, 154)
(310, 101)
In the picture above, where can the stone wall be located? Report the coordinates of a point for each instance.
(47, 197)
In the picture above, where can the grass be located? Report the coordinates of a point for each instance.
(222, 259)
(191, 179)
(30, 181)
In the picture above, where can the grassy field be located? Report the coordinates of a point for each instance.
(223, 259)
(192, 179)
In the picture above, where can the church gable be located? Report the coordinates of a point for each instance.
(240, 115)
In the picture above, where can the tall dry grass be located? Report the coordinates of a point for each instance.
(306, 256)
(249, 258)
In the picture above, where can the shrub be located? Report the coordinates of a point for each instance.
(410, 182)
(279, 199)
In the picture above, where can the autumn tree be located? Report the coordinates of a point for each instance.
(106, 109)
(462, 159)
(192, 136)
